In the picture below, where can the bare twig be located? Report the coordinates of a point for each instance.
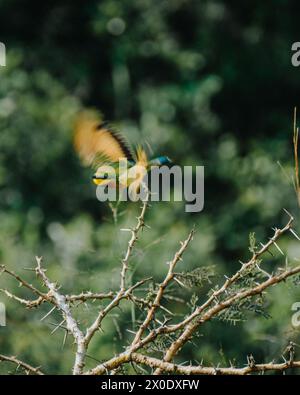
(28, 303)
(24, 283)
(85, 296)
(134, 236)
(28, 368)
(168, 367)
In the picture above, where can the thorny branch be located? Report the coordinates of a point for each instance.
(134, 236)
(152, 327)
(28, 368)
(61, 303)
(168, 367)
(190, 327)
(157, 301)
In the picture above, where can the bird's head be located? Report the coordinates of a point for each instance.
(104, 175)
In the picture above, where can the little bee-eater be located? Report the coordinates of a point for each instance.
(102, 147)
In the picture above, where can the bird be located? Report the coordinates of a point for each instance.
(101, 146)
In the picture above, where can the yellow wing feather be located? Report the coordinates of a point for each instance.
(93, 139)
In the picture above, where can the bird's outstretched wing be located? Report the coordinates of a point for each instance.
(97, 143)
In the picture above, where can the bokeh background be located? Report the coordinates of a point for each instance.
(205, 82)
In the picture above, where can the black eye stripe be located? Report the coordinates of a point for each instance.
(100, 177)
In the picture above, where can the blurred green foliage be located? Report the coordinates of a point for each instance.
(204, 82)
